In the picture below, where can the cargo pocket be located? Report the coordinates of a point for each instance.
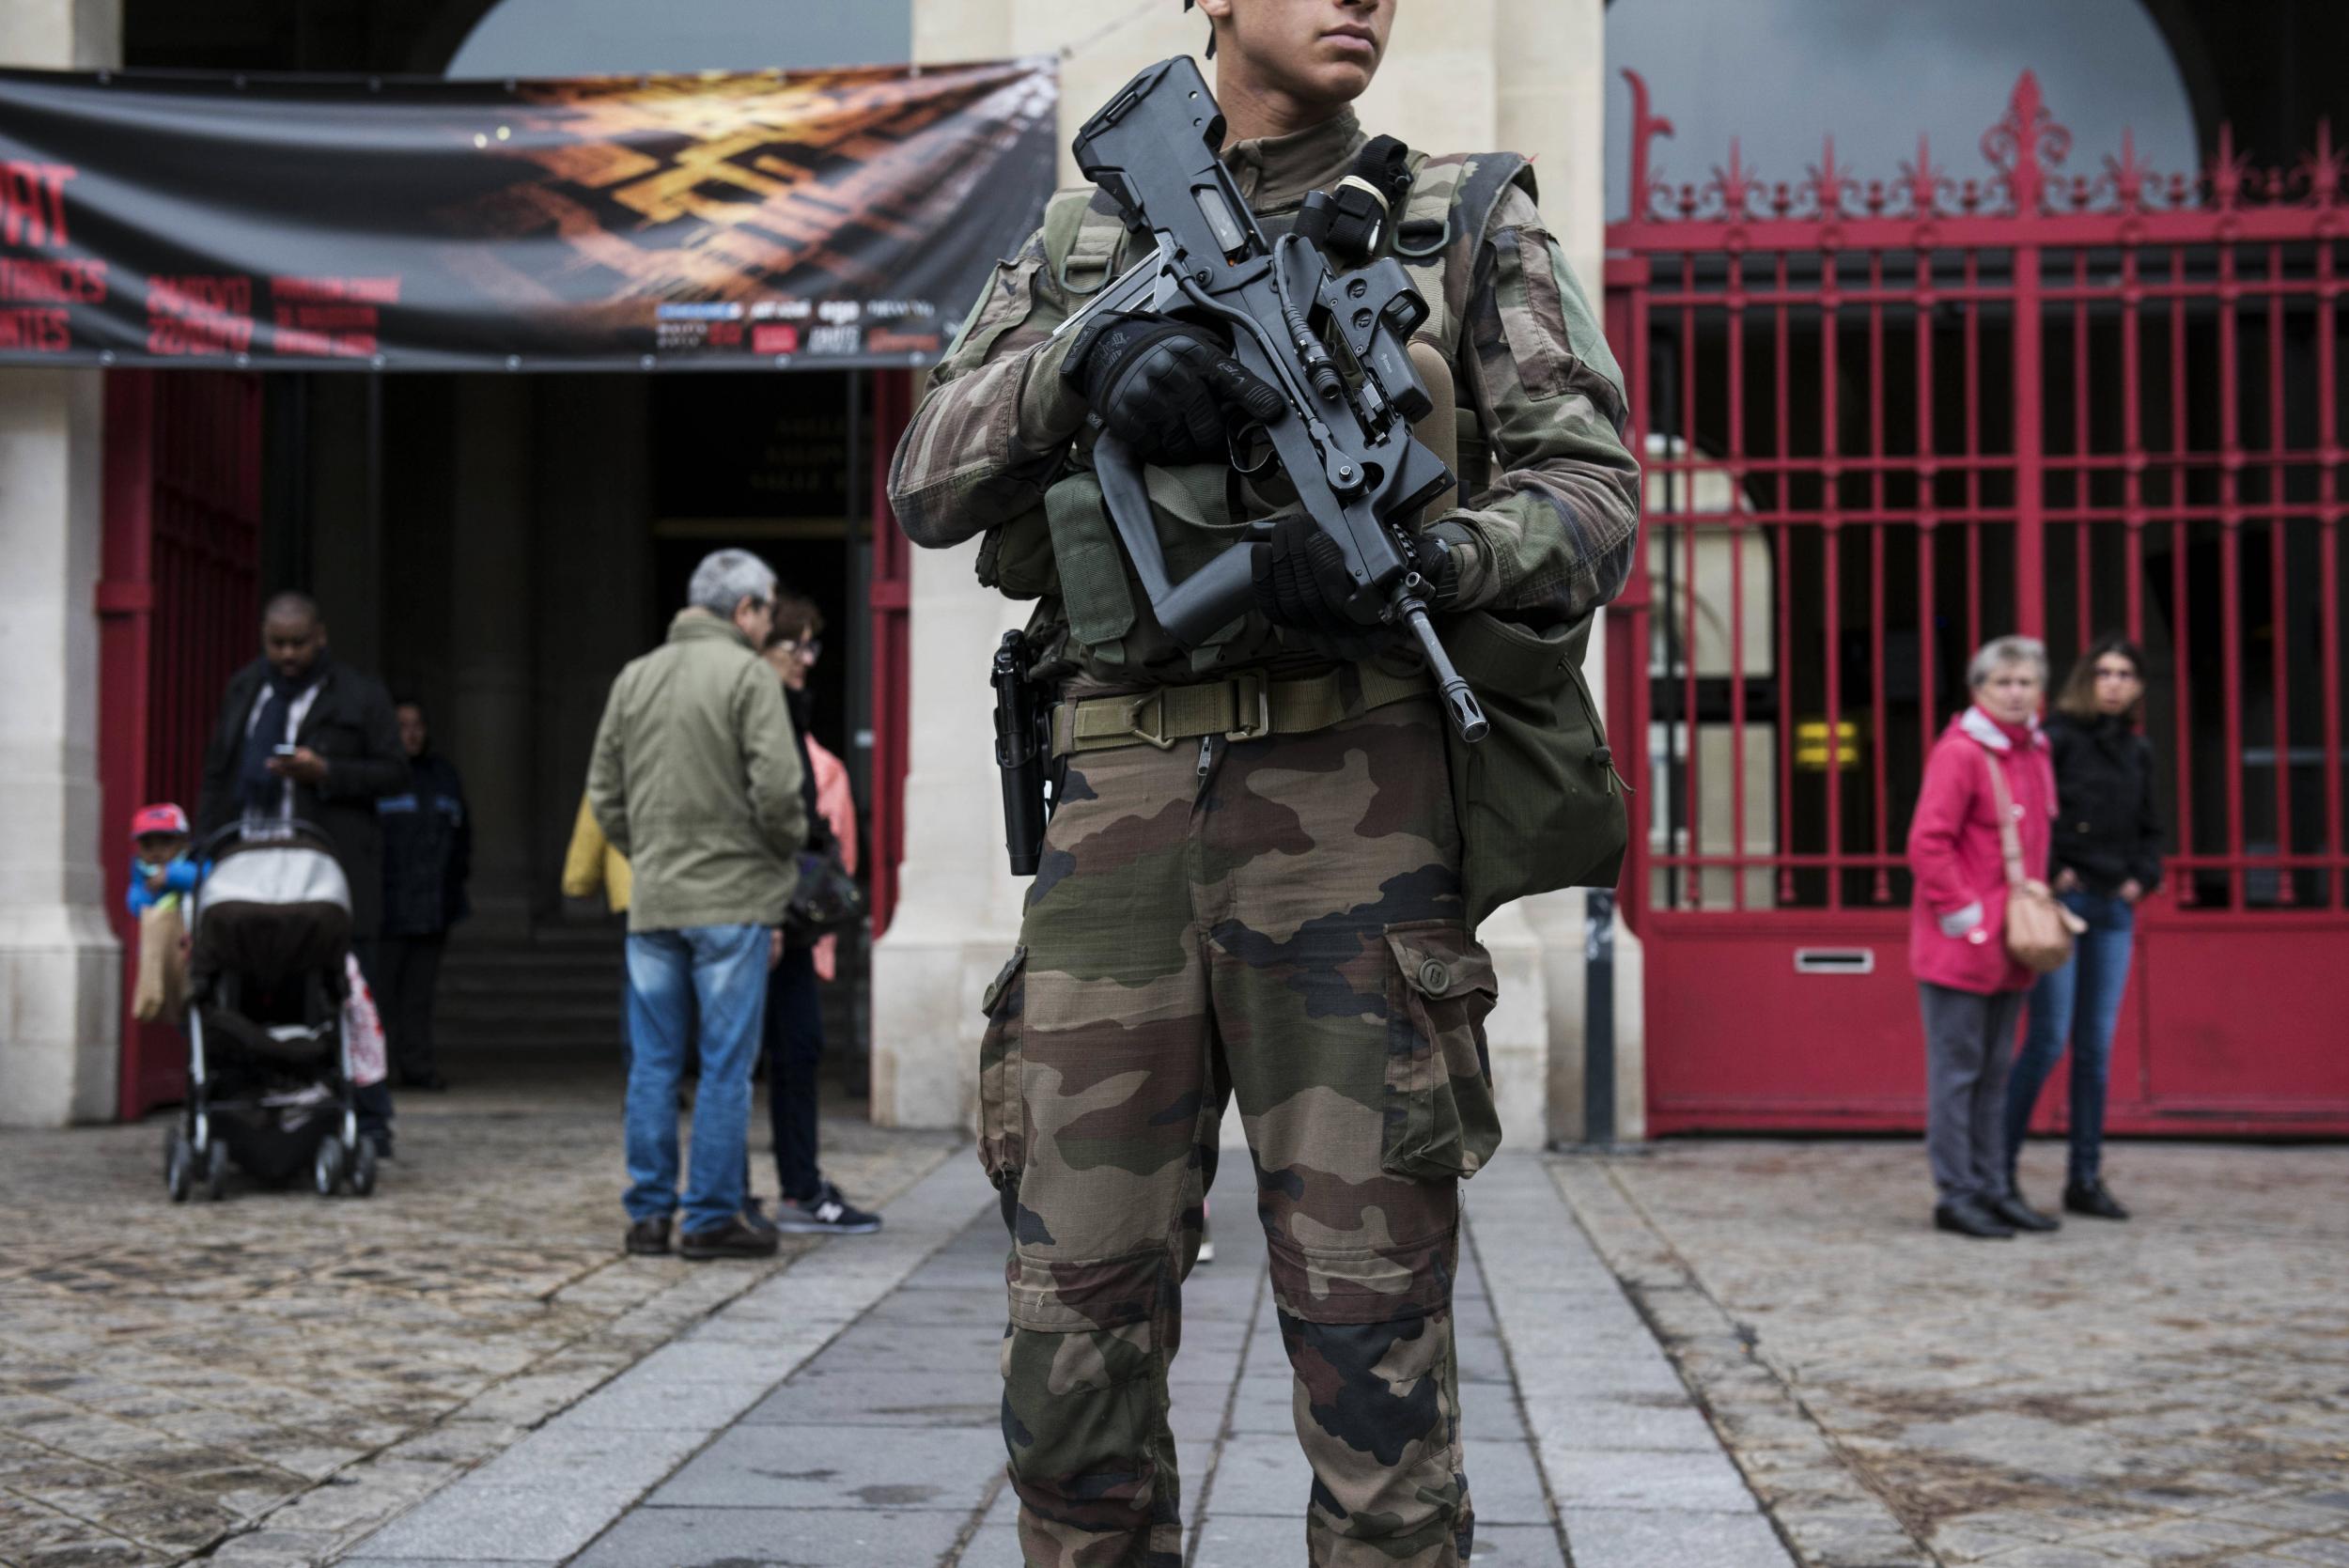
(1002, 1128)
(1441, 1120)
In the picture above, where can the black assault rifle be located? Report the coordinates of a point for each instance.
(1334, 346)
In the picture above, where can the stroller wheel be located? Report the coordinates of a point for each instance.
(362, 1169)
(178, 1166)
(217, 1170)
(326, 1173)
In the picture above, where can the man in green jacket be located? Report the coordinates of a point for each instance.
(696, 781)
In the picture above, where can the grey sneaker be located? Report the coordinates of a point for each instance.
(826, 1214)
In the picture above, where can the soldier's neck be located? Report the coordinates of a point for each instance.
(1255, 110)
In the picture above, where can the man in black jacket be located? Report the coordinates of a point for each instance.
(427, 856)
(301, 737)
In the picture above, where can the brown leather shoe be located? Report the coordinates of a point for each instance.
(734, 1238)
(648, 1238)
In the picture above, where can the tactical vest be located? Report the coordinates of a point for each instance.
(1068, 552)
(1538, 800)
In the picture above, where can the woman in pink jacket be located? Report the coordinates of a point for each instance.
(1973, 992)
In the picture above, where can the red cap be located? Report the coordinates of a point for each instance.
(161, 818)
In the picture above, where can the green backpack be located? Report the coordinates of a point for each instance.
(1539, 801)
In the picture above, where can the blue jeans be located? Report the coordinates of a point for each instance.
(2079, 1002)
(722, 971)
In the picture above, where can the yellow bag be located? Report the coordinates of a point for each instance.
(162, 989)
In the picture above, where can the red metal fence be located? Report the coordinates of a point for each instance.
(1887, 420)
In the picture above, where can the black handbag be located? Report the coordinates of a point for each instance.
(827, 897)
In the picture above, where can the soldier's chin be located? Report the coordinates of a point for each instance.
(1341, 81)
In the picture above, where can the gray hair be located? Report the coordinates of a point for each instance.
(727, 577)
(2001, 651)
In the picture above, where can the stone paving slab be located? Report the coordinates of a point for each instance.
(777, 1538)
(582, 1471)
(1611, 1419)
(886, 1440)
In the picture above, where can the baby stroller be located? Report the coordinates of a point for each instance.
(268, 1068)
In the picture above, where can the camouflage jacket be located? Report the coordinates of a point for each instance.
(1548, 536)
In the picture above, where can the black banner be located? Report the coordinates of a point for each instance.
(718, 222)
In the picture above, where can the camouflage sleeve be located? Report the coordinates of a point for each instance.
(995, 420)
(1554, 533)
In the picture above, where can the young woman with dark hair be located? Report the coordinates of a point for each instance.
(2107, 856)
(811, 1204)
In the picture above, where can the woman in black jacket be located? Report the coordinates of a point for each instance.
(2106, 857)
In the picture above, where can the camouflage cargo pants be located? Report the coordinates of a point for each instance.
(1277, 920)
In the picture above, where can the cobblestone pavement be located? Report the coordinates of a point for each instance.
(271, 1378)
(2171, 1390)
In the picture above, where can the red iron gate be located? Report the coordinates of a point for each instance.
(177, 605)
(1885, 421)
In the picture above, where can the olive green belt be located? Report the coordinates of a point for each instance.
(1244, 706)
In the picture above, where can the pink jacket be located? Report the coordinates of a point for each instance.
(839, 808)
(1957, 920)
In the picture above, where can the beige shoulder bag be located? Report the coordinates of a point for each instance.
(2039, 929)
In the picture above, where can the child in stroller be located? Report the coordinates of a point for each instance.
(271, 1060)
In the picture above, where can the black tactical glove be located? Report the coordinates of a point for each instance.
(1161, 385)
(1436, 556)
(1303, 583)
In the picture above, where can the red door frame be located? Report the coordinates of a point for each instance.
(892, 609)
(2040, 293)
(177, 601)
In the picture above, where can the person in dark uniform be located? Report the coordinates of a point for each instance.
(428, 855)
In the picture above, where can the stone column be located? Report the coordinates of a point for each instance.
(60, 968)
(491, 595)
(958, 914)
(1551, 97)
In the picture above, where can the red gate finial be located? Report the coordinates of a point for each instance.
(2228, 172)
(1925, 183)
(2127, 175)
(1735, 185)
(1831, 182)
(1646, 128)
(2023, 144)
(2324, 166)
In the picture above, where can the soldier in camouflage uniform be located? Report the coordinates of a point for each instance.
(1262, 903)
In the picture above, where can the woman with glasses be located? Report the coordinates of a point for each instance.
(811, 1204)
(2106, 857)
